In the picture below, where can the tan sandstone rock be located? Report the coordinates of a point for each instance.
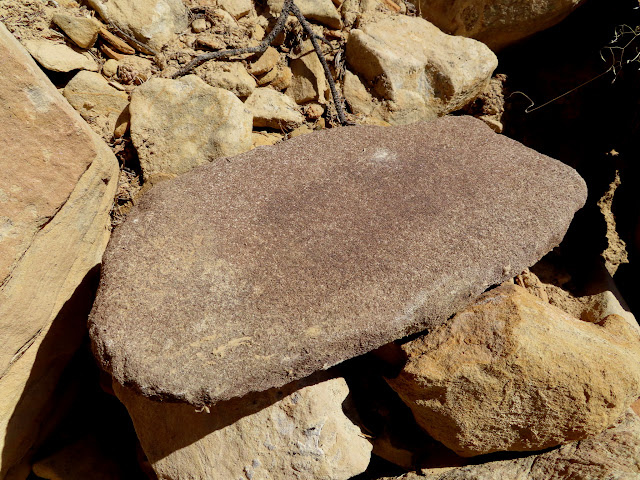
(83, 31)
(613, 454)
(273, 109)
(308, 82)
(231, 76)
(153, 22)
(497, 23)
(97, 102)
(58, 57)
(322, 11)
(299, 431)
(236, 8)
(179, 124)
(265, 62)
(512, 372)
(420, 70)
(56, 191)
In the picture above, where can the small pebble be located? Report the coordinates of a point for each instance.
(199, 25)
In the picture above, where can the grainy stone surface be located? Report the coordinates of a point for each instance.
(611, 455)
(513, 373)
(300, 431)
(254, 271)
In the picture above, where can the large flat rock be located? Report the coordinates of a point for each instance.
(250, 272)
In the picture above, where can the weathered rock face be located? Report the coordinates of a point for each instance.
(263, 268)
(512, 372)
(96, 101)
(56, 191)
(179, 124)
(422, 71)
(496, 23)
(153, 22)
(298, 432)
(612, 454)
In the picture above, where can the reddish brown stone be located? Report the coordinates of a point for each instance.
(259, 269)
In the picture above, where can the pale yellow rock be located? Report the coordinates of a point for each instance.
(57, 191)
(81, 30)
(58, 57)
(275, 435)
(231, 76)
(96, 101)
(154, 22)
(179, 124)
(273, 109)
(283, 78)
(512, 372)
(356, 94)
(409, 57)
(110, 67)
(261, 139)
(236, 8)
(267, 60)
(308, 83)
(497, 23)
(322, 11)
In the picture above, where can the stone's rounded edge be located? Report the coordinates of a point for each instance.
(124, 371)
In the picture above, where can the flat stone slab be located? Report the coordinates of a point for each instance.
(256, 270)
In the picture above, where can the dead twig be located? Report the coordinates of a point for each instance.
(289, 7)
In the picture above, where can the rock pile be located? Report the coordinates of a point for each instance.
(293, 310)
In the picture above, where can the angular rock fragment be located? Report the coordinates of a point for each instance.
(497, 23)
(266, 267)
(308, 83)
(231, 76)
(613, 454)
(96, 101)
(152, 22)
(322, 11)
(417, 67)
(58, 57)
(300, 431)
(81, 30)
(56, 190)
(179, 124)
(273, 109)
(513, 373)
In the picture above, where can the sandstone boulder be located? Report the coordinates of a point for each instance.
(179, 124)
(250, 272)
(299, 431)
(153, 22)
(423, 72)
(236, 8)
(613, 454)
(56, 191)
(512, 372)
(496, 23)
(58, 57)
(308, 82)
